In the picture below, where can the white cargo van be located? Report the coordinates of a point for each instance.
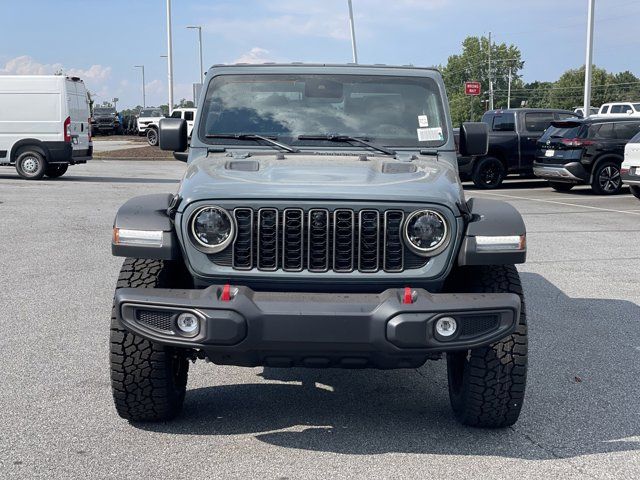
(44, 124)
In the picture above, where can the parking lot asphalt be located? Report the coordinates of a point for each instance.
(581, 417)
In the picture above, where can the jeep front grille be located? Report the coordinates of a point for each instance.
(320, 240)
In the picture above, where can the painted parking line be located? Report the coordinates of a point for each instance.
(555, 202)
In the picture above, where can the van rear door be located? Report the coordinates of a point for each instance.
(78, 103)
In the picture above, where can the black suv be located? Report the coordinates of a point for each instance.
(586, 151)
(105, 120)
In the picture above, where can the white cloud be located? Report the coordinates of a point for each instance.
(26, 65)
(255, 55)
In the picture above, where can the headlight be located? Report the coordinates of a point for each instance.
(426, 232)
(212, 229)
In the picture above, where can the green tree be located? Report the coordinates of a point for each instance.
(473, 65)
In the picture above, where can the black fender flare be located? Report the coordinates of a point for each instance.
(147, 213)
(32, 143)
(491, 218)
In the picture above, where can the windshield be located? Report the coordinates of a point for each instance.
(151, 112)
(104, 111)
(393, 111)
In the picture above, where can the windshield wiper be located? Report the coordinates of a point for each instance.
(253, 136)
(348, 139)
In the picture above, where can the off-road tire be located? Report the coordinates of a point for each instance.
(635, 191)
(561, 186)
(31, 164)
(608, 169)
(56, 170)
(488, 173)
(148, 380)
(487, 384)
(152, 137)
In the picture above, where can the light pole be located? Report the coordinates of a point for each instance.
(588, 67)
(144, 95)
(353, 34)
(169, 57)
(199, 28)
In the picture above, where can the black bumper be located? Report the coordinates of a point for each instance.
(318, 330)
(630, 179)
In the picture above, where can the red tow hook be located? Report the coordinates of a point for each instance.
(408, 296)
(225, 296)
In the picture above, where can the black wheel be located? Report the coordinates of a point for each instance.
(152, 137)
(561, 187)
(148, 380)
(635, 191)
(607, 179)
(31, 165)
(55, 171)
(486, 385)
(488, 173)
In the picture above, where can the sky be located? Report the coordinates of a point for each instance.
(102, 40)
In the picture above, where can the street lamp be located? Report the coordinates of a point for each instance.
(588, 66)
(354, 50)
(144, 95)
(199, 28)
(169, 57)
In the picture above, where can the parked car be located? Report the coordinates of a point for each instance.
(320, 223)
(44, 124)
(148, 122)
(620, 109)
(579, 111)
(630, 168)
(512, 144)
(588, 151)
(105, 120)
(188, 114)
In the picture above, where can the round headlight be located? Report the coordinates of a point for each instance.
(426, 231)
(212, 228)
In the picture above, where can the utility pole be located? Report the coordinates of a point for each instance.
(170, 57)
(144, 96)
(490, 77)
(588, 67)
(353, 34)
(199, 28)
(509, 91)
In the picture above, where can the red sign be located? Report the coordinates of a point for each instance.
(472, 88)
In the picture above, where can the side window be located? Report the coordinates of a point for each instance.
(626, 130)
(567, 116)
(188, 116)
(627, 109)
(176, 115)
(605, 132)
(605, 109)
(616, 109)
(593, 130)
(505, 122)
(538, 122)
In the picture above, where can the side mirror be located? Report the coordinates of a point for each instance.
(474, 139)
(173, 134)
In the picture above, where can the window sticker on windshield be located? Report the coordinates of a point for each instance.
(430, 134)
(423, 121)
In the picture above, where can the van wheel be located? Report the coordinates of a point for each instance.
(607, 179)
(561, 187)
(55, 171)
(152, 137)
(488, 173)
(31, 165)
(635, 191)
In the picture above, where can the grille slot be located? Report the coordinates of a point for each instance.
(293, 240)
(393, 247)
(243, 246)
(477, 324)
(319, 240)
(268, 239)
(343, 240)
(156, 319)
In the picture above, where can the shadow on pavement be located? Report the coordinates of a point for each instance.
(583, 396)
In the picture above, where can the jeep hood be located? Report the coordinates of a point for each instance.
(321, 177)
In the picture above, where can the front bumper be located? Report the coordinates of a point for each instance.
(572, 172)
(318, 330)
(631, 178)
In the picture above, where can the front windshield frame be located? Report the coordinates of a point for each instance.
(427, 82)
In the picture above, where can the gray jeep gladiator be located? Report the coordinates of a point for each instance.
(320, 223)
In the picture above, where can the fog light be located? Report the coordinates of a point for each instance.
(446, 326)
(188, 323)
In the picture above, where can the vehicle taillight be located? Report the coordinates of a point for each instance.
(577, 142)
(67, 130)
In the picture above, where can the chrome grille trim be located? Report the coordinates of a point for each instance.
(327, 238)
(286, 258)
